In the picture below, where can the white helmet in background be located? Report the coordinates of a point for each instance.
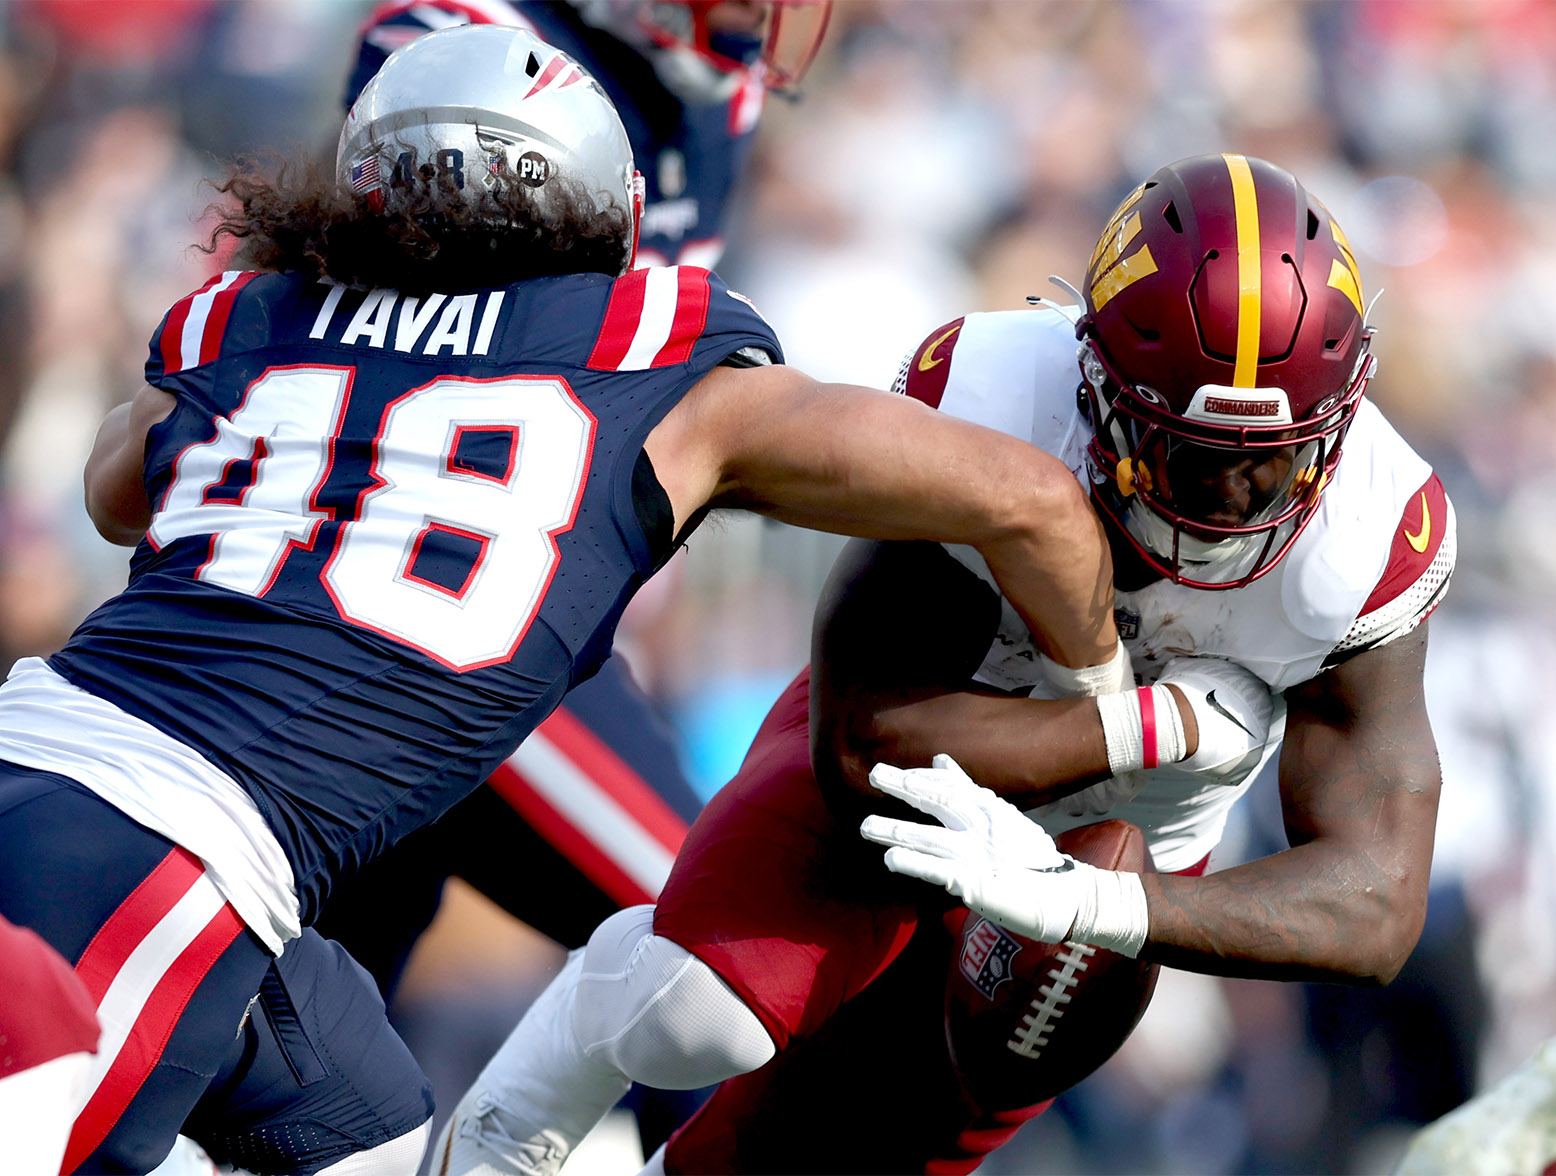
(474, 107)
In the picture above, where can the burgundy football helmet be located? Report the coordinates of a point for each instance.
(1224, 353)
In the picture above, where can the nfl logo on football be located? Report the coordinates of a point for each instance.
(986, 954)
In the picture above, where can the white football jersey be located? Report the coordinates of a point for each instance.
(1369, 567)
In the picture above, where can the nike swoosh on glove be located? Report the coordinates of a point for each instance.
(1001, 863)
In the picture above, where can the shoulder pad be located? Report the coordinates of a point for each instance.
(1014, 371)
(657, 317)
(924, 369)
(192, 331)
(1420, 566)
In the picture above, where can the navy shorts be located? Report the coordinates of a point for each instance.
(319, 1074)
(199, 1021)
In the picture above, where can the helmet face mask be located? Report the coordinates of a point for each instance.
(1223, 357)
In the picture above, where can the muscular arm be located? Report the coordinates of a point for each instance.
(858, 462)
(115, 489)
(1359, 781)
(900, 630)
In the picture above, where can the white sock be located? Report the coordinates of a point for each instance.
(629, 1006)
(536, 1099)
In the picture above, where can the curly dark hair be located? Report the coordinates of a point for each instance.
(431, 238)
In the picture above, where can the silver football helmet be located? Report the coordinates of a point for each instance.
(479, 105)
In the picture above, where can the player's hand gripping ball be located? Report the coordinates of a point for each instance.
(1027, 1020)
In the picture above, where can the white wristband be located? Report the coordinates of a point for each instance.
(1111, 676)
(1113, 914)
(1142, 729)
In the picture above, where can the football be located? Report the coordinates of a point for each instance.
(1026, 1020)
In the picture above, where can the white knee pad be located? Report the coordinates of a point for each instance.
(659, 1014)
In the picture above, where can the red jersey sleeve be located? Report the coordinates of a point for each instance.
(924, 371)
(1415, 579)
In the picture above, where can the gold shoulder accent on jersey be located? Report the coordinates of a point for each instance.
(1424, 536)
(924, 360)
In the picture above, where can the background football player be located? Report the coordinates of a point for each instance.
(1269, 592)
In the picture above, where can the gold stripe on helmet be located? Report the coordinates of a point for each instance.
(1245, 208)
(1345, 276)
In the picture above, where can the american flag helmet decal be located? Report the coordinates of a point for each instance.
(364, 175)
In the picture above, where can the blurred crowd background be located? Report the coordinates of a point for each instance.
(946, 155)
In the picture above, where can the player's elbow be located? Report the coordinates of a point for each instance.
(1394, 948)
(1030, 491)
(844, 769)
(114, 521)
(1383, 938)
(845, 747)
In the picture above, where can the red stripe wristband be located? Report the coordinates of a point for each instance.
(1147, 726)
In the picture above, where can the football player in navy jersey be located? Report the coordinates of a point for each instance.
(393, 487)
(590, 812)
(585, 817)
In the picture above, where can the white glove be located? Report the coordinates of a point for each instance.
(979, 825)
(1232, 706)
(1001, 863)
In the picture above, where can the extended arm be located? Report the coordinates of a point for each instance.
(1359, 784)
(900, 630)
(858, 462)
(114, 475)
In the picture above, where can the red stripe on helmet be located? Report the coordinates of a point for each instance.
(547, 75)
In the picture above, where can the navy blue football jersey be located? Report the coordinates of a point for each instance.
(390, 532)
(690, 154)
